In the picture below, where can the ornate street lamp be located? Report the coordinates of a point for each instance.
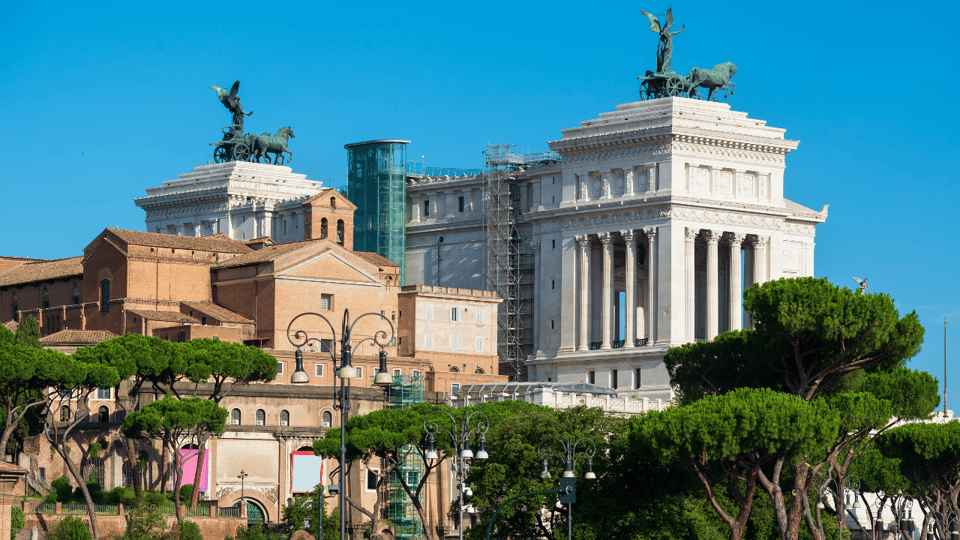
(344, 369)
(243, 498)
(548, 448)
(460, 435)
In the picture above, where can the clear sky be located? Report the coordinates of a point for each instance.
(100, 101)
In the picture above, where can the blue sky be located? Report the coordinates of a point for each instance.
(99, 102)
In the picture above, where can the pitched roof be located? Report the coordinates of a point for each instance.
(11, 325)
(38, 271)
(375, 258)
(268, 253)
(220, 313)
(77, 336)
(215, 242)
(168, 316)
(800, 210)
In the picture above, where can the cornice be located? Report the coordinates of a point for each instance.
(672, 133)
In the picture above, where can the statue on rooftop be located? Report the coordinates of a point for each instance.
(665, 48)
(231, 101)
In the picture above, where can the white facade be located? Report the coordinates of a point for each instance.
(241, 200)
(642, 238)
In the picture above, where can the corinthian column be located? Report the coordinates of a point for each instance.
(736, 294)
(606, 304)
(652, 288)
(713, 286)
(630, 237)
(760, 260)
(584, 245)
(537, 307)
(691, 288)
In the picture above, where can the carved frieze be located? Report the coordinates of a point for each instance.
(659, 212)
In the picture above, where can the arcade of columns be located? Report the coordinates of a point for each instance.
(635, 296)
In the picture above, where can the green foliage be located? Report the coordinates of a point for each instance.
(147, 521)
(185, 530)
(28, 333)
(302, 512)
(254, 532)
(61, 489)
(186, 491)
(70, 528)
(171, 417)
(17, 520)
(6, 336)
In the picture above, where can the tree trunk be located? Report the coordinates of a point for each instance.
(131, 457)
(198, 475)
(91, 510)
(164, 468)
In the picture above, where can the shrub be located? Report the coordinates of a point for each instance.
(186, 491)
(61, 490)
(70, 528)
(186, 530)
(17, 520)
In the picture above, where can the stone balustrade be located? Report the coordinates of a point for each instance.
(617, 405)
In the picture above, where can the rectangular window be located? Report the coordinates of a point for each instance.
(613, 379)
(454, 389)
(553, 324)
(279, 368)
(103, 393)
(429, 313)
(318, 369)
(359, 372)
(553, 244)
(591, 377)
(453, 315)
(372, 480)
(454, 342)
(479, 344)
(553, 284)
(396, 372)
(415, 373)
(428, 341)
(326, 302)
(479, 316)
(181, 337)
(326, 345)
(203, 320)
(426, 208)
(637, 378)
(460, 203)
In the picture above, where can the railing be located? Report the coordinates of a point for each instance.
(233, 511)
(46, 508)
(73, 509)
(619, 343)
(642, 342)
(595, 345)
(112, 509)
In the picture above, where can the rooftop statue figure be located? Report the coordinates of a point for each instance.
(232, 102)
(665, 48)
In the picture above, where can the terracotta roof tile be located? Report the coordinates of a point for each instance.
(168, 316)
(11, 325)
(77, 336)
(268, 253)
(216, 242)
(375, 258)
(38, 271)
(220, 313)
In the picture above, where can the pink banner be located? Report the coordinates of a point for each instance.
(189, 460)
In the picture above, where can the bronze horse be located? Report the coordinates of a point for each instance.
(713, 79)
(276, 145)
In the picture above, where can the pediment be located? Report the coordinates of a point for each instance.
(329, 266)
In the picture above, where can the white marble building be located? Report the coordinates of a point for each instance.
(242, 200)
(642, 238)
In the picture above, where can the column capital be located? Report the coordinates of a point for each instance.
(651, 232)
(606, 238)
(713, 237)
(760, 241)
(691, 234)
(736, 239)
(629, 236)
(582, 240)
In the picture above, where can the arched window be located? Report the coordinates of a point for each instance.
(333, 202)
(323, 228)
(261, 417)
(479, 370)
(15, 308)
(94, 471)
(65, 414)
(105, 297)
(454, 369)
(75, 299)
(284, 418)
(235, 417)
(340, 231)
(103, 414)
(327, 419)
(46, 298)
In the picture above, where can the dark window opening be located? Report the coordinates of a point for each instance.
(460, 203)
(323, 228)
(426, 208)
(340, 231)
(105, 297)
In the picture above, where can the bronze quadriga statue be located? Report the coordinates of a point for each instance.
(239, 146)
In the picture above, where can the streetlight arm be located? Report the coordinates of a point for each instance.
(490, 525)
(300, 338)
(381, 338)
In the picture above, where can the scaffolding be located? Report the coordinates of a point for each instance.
(404, 392)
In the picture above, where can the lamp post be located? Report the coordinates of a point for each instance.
(243, 498)
(460, 435)
(548, 448)
(344, 370)
(903, 516)
(850, 487)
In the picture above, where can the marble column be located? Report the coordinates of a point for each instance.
(760, 259)
(713, 286)
(690, 272)
(652, 288)
(606, 304)
(416, 207)
(630, 277)
(537, 284)
(583, 243)
(736, 293)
